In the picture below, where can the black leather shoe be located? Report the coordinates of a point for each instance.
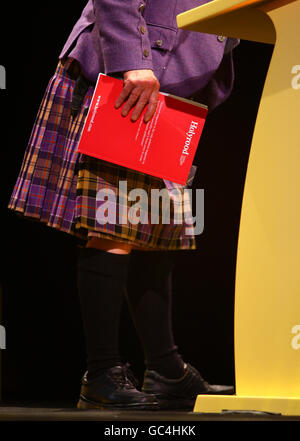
(115, 388)
(180, 393)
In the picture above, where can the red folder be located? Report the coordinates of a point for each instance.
(164, 147)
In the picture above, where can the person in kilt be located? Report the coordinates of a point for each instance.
(139, 41)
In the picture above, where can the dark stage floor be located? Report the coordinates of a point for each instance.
(67, 412)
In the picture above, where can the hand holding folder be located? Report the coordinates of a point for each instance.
(164, 147)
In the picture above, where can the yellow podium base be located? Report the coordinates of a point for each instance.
(220, 403)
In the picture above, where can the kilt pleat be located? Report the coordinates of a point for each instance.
(60, 187)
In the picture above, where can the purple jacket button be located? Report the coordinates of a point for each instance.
(159, 43)
(141, 7)
(146, 53)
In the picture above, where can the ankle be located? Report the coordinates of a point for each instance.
(94, 371)
(169, 365)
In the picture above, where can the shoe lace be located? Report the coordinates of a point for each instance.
(125, 378)
(130, 375)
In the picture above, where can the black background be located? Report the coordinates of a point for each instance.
(45, 355)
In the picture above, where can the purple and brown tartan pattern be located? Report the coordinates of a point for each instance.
(59, 186)
(46, 186)
(96, 174)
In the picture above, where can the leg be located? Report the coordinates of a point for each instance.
(102, 274)
(175, 383)
(149, 295)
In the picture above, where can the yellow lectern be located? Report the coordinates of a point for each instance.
(267, 297)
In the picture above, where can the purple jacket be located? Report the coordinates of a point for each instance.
(118, 35)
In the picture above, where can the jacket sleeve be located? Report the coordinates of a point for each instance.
(220, 86)
(123, 35)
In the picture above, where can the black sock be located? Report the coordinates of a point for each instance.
(149, 295)
(101, 278)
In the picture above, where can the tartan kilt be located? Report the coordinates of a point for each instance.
(89, 197)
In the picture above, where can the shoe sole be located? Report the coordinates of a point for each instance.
(84, 404)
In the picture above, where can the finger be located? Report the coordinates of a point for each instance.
(126, 91)
(140, 105)
(133, 98)
(152, 106)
